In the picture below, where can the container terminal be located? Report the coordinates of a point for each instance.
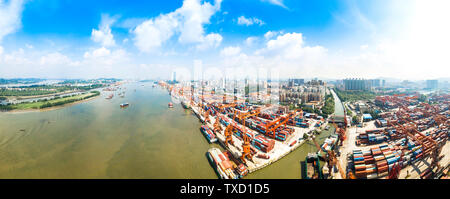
(257, 135)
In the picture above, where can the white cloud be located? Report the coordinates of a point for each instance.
(287, 54)
(1, 50)
(270, 34)
(104, 35)
(291, 46)
(250, 41)
(276, 2)
(187, 22)
(212, 40)
(100, 52)
(230, 51)
(54, 59)
(242, 20)
(10, 17)
(152, 33)
(105, 57)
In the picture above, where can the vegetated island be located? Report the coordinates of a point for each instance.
(44, 103)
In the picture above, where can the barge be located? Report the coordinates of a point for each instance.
(221, 164)
(208, 133)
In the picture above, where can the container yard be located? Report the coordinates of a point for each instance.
(258, 135)
(255, 135)
(408, 136)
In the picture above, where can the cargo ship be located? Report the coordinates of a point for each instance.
(124, 105)
(310, 168)
(241, 170)
(329, 143)
(208, 133)
(185, 104)
(110, 96)
(221, 164)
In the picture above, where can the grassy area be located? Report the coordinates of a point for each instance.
(328, 107)
(355, 95)
(44, 89)
(50, 103)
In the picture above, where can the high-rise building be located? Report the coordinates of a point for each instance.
(295, 82)
(376, 82)
(357, 84)
(432, 84)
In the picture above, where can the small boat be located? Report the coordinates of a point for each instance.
(185, 104)
(263, 156)
(170, 105)
(124, 105)
(310, 168)
(110, 96)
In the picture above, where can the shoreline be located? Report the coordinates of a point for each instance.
(40, 96)
(49, 108)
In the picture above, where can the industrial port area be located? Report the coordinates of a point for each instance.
(225, 98)
(406, 138)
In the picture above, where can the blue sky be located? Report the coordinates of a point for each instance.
(149, 39)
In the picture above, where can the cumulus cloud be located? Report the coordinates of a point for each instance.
(10, 17)
(187, 22)
(105, 57)
(103, 35)
(54, 59)
(212, 40)
(100, 52)
(270, 34)
(250, 41)
(291, 46)
(230, 51)
(287, 54)
(242, 20)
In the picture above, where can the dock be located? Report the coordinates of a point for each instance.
(280, 149)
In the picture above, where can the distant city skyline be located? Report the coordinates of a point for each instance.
(342, 39)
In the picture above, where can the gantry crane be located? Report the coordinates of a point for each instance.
(340, 131)
(229, 134)
(207, 116)
(217, 126)
(395, 171)
(248, 114)
(246, 149)
(333, 161)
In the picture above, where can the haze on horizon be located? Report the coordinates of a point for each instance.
(402, 39)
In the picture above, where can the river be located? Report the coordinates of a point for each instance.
(98, 139)
(338, 106)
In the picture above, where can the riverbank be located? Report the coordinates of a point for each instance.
(47, 105)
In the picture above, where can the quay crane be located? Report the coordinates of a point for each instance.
(228, 134)
(272, 126)
(207, 116)
(246, 149)
(217, 126)
(248, 114)
(333, 161)
(395, 172)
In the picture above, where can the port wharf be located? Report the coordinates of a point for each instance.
(280, 150)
